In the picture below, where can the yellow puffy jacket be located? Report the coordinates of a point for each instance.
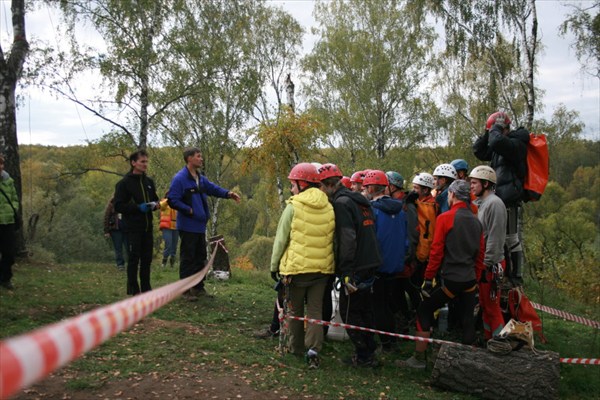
(310, 246)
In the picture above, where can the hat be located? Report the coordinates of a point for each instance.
(461, 189)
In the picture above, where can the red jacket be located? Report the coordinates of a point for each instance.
(458, 246)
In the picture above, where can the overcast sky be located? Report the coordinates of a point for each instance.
(48, 121)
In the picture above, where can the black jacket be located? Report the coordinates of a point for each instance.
(508, 156)
(131, 191)
(356, 248)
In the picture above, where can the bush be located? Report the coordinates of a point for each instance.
(258, 249)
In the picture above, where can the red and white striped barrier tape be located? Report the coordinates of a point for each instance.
(583, 361)
(566, 315)
(30, 357)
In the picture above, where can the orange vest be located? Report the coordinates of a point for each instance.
(168, 216)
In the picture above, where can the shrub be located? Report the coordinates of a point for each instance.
(258, 250)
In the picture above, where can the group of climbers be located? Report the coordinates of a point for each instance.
(399, 255)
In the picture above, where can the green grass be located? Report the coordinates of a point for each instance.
(215, 334)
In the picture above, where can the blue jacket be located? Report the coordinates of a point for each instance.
(192, 201)
(390, 224)
(442, 200)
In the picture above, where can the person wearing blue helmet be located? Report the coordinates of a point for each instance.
(395, 188)
(461, 167)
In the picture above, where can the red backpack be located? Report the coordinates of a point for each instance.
(538, 167)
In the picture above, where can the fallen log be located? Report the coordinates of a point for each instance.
(520, 374)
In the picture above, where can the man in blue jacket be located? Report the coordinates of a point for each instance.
(188, 195)
(390, 227)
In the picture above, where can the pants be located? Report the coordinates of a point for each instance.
(8, 247)
(140, 252)
(464, 292)
(171, 237)
(491, 313)
(121, 246)
(327, 306)
(514, 256)
(192, 255)
(385, 304)
(311, 287)
(357, 309)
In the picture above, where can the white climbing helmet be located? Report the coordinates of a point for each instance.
(424, 179)
(446, 170)
(483, 172)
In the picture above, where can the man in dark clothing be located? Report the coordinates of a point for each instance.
(135, 199)
(188, 195)
(356, 260)
(457, 250)
(507, 151)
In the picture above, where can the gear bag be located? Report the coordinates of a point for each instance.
(426, 215)
(538, 166)
(522, 310)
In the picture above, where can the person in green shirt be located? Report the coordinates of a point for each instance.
(9, 204)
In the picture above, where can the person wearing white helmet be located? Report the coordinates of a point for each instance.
(421, 211)
(457, 254)
(492, 215)
(444, 175)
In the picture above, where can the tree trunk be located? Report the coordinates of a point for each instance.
(10, 72)
(521, 374)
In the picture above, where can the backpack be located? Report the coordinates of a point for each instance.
(537, 167)
(426, 215)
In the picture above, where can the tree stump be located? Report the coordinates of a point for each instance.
(221, 261)
(520, 374)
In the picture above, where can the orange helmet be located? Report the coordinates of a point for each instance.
(375, 177)
(329, 171)
(346, 181)
(498, 118)
(304, 172)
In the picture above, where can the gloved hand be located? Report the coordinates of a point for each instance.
(427, 288)
(411, 198)
(144, 207)
(275, 276)
(152, 205)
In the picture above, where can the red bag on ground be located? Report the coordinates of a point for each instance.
(522, 310)
(538, 167)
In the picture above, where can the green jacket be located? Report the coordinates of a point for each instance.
(7, 184)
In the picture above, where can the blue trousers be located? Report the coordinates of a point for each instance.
(171, 237)
(121, 246)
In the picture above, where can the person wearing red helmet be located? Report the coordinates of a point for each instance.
(390, 225)
(356, 181)
(346, 182)
(356, 261)
(303, 258)
(506, 150)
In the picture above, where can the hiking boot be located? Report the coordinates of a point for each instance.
(7, 285)
(189, 296)
(172, 262)
(200, 292)
(414, 361)
(312, 359)
(121, 267)
(355, 361)
(266, 334)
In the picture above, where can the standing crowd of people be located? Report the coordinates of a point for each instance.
(401, 255)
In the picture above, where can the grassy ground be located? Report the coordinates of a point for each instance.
(216, 335)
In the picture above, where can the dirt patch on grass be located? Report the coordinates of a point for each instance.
(204, 385)
(192, 381)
